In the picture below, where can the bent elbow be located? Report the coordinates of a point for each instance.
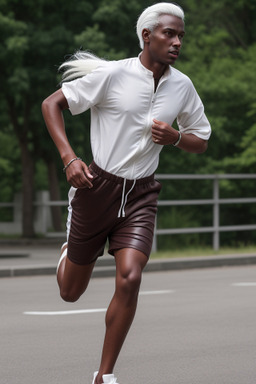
(204, 146)
(45, 105)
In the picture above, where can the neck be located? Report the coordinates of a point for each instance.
(157, 68)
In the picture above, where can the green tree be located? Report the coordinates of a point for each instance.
(33, 42)
(218, 55)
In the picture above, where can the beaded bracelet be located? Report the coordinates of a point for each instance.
(70, 162)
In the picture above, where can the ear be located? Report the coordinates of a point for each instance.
(146, 35)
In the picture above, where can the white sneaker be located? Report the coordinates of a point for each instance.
(62, 255)
(94, 377)
(107, 379)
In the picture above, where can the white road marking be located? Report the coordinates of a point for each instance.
(156, 292)
(249, 284)
(56, 313)
(82, 311)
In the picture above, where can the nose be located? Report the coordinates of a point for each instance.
(177, 41)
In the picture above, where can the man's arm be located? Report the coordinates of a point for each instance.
(77, 172)
(164, 134)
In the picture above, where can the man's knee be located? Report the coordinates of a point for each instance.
(130, 264)
(129, 283)
(74, 280)
(69, 296)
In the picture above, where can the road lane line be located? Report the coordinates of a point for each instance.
(248, 284)
(85, 311)
(56, 313)
(163, 292)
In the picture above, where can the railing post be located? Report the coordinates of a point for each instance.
(17, 209)
(43, 212)
(216, 215)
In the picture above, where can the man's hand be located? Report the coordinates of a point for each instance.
(163, 133)
(78, 175)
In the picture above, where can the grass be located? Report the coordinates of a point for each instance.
(171, 253)
(203, 252)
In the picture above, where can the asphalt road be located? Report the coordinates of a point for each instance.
(191, 327)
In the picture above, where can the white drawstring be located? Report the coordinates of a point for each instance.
(122, 201)
(124, 198)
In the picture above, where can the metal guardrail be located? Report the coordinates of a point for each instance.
(215, 202)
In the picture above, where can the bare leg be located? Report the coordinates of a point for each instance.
(73, 279)
(121, 311)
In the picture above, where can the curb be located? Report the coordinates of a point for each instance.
(106, 268)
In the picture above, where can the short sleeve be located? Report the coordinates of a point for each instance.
(191, 118)
(87, 91)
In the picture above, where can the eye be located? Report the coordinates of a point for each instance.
(169, 33)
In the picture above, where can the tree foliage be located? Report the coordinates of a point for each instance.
(218, 55)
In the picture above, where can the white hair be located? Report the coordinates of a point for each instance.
(83, 62)
(150, 17)
(80, 64)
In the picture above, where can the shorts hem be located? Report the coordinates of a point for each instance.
(75, 261)
(112, 250)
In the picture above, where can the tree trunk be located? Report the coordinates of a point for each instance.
(54, 195)
(27, 164)
(27, 191)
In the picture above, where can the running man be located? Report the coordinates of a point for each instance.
(133, 104)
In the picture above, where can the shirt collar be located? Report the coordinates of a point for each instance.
(149, 73)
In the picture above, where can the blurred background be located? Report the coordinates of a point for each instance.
(218, 54)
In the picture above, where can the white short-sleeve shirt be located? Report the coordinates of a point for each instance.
(123, 103)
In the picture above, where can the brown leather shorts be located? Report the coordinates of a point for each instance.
(119, 210)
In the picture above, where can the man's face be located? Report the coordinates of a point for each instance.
(166, 39)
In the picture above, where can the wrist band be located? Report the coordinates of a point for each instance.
(177, 142)
(70, 162)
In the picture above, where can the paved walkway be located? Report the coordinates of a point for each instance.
(40, 258)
